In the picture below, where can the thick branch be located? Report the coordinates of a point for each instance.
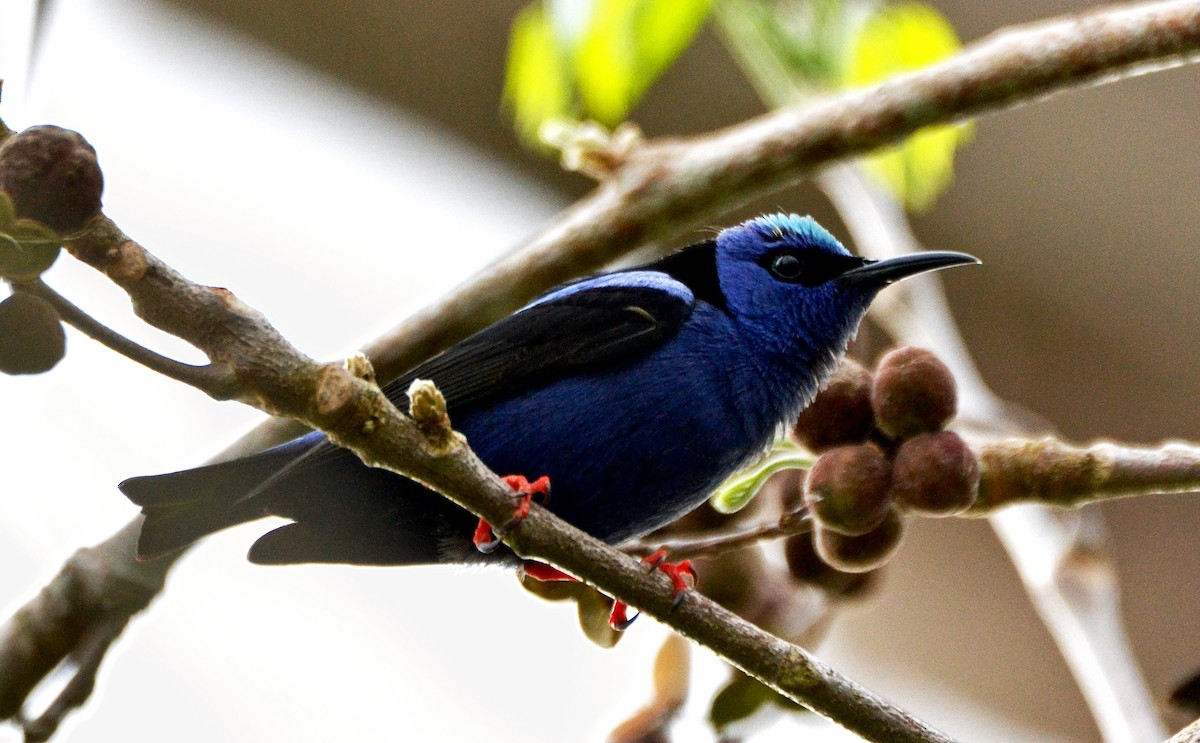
(1049, 472)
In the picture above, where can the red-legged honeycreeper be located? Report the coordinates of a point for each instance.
(637, 392)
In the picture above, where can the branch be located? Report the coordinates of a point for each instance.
(1050, 472)
(74, 619)
(666, 188)
(218, 381)
(1190, 734)
(711, 544)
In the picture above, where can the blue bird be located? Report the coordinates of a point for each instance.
(637, 392)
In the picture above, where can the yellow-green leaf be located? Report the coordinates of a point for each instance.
(27, 249)
(7, 212)
(741, 699)
(740, 489)
(626, 46)
(663, 29)
(537, 86)
(593, 611)
(900, 38)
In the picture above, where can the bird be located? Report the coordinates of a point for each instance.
(637, 392)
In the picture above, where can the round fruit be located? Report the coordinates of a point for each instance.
(807, 566)
(31, 335)
(858, 554)
(913, 393)
(841, 413)
(847, 490)
(935, 474)
(52, 176)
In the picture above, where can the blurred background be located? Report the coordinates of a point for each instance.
(340, 165)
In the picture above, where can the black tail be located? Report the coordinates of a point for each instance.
(343, 511)
(183, 507)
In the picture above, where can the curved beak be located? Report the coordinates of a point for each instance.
(891, 270)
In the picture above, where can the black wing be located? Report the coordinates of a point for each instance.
(581, 326)
(588, 327)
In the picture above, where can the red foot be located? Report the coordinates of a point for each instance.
(545, 573)
(487, 539)
(619, 619)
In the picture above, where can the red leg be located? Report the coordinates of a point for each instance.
(486, 539)
(543, 572)
(678, 572)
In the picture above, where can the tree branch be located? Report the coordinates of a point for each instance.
(1049, 472)
(711, 544)
(218, 381)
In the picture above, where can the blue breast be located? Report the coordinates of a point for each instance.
(632, 447)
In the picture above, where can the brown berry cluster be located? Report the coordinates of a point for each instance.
(50, 185)
(883, 454)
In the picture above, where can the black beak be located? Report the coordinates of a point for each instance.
(882, 273)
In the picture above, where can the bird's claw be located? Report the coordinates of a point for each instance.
(619, 619)
(678, 572)
(488, 539)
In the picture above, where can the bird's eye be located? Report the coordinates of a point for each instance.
(786, 266)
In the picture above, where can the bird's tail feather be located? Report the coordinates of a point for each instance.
(183, 507)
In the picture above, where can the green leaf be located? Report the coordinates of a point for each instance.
(900, 38)
(791, 50)
(663, 29)
(27, 249)
(537, 86)
(600, 56)
(626, 46)
(741, 698)
(740, 489)
(593, 611)
(7, 212)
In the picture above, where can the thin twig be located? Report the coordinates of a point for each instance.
(217, 380)
(711, 544)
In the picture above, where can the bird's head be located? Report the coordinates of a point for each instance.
(794, 286)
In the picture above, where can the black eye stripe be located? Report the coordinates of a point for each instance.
(807, 267)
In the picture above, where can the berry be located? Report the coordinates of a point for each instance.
(52, 176)
(858, 554)
(914, 392)
(841, 413)
(807, 566)
(935, 474)
(847, 490)
(31, 336)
